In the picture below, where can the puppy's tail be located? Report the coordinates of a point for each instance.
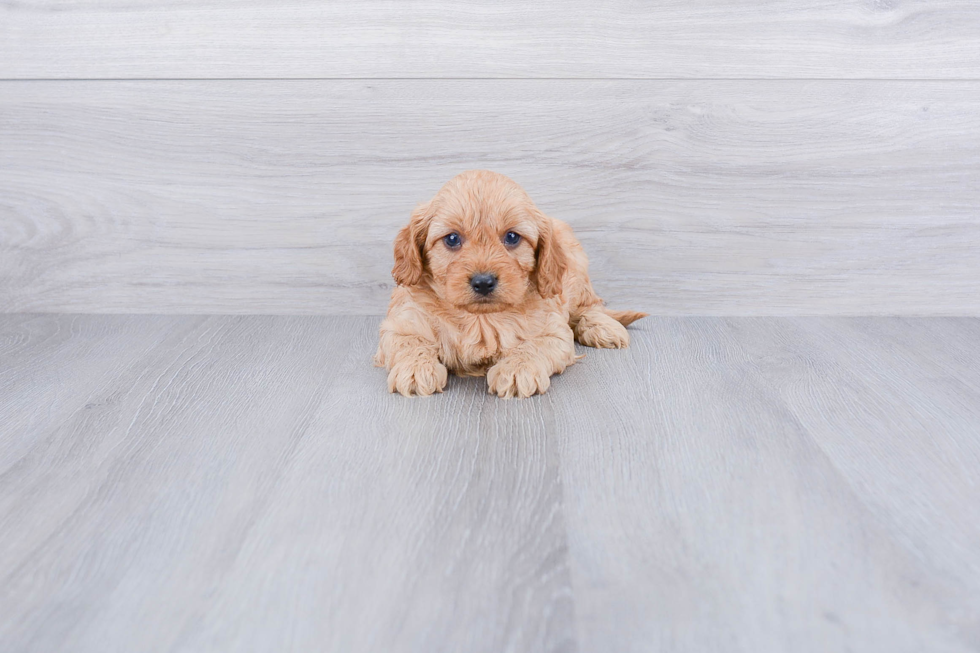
(625, 318)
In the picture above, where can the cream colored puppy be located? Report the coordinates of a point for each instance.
(489, 285)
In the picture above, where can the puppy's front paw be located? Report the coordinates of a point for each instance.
(601, 331)
(419, 376)
(516, 377)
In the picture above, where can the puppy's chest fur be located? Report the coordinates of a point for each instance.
(470, 344)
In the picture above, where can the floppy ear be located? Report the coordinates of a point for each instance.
(408, 248)
(551, 259)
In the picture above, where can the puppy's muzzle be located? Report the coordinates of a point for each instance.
(483, 283)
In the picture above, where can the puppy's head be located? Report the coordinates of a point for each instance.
(480, 245)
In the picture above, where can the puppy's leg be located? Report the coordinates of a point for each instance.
(596, 328)
(593, 324)
(408, 351)
(526, 369)
(414, 368)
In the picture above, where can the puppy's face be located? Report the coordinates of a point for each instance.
(480, 245)
(481, 257)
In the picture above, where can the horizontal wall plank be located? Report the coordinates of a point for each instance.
(510, 38)
(691, 197)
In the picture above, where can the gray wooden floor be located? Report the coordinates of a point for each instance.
(727, 484)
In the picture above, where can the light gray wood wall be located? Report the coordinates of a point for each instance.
(723, 158)
(892, 39)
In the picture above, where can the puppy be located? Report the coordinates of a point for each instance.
(489, 285)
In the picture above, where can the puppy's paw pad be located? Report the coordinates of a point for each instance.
(517, 378)
(605, 334)
(420, 377)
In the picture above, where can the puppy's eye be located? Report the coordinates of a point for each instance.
(453, 240)
(511, 238)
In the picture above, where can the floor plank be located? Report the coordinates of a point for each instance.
(691, 198)
(246, 483)
(50, 365)
(240, 494)
(460, 38)
(772, 485)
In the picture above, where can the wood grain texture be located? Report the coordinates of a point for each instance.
(246, 483)
(425, 38)
(776, 485)
(691, 197)
(232, 489)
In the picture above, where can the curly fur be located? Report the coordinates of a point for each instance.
(519, 335)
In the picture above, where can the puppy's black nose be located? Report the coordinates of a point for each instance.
(483, 284)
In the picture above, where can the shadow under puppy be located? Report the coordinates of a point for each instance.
(490, 285)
